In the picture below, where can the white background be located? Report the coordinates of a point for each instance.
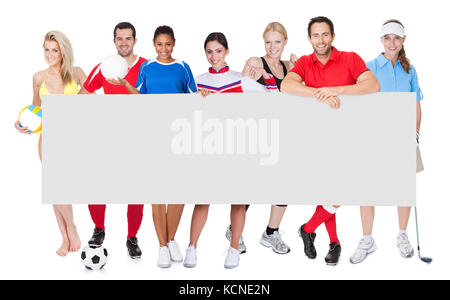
(29, 234)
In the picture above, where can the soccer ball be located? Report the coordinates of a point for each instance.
(114, 66)
(94, 258)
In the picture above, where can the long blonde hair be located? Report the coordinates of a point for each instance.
(67, 68)
(275, 26)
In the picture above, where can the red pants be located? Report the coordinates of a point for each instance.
(134, 215)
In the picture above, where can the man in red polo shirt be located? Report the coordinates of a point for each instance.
(326, 74)
(124, 39)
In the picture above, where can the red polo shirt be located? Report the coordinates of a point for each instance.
(343, 68)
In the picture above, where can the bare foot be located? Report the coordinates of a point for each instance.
(64, 249)
(74, 238)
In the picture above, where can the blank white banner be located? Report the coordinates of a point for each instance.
(229, 148)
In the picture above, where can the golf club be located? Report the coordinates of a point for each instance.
(424, 259)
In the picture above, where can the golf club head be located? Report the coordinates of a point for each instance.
(426, 259)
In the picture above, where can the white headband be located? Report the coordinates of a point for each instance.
(393, 28)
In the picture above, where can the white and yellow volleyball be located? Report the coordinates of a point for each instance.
(31, 117)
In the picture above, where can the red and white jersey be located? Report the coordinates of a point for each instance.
(96, 80)
(226, 81)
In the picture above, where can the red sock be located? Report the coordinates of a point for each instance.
(134, 214)
(98, 215)
(319, 217)
(330, 224)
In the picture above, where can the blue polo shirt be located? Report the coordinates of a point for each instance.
(394, 78)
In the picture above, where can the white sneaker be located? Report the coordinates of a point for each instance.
(363, 250)
(175, 254)
(275, 242)
(242, 247)
(403, 244)
(232, 260)
(164, 257)
(190, 259)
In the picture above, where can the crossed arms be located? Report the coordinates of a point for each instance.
(365, 84)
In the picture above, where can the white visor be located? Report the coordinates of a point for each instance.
(393, 28)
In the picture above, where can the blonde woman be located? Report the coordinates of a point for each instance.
(275, 39)
(61, 77)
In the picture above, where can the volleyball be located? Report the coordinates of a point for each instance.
(31, 117)
(114, 66)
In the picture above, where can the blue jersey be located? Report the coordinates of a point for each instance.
(394, 78)
(161, 78)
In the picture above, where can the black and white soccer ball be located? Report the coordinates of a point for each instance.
(94, 258)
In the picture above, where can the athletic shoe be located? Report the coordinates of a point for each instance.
(164, 257)
(242, 247)
(332, 257)
(97, 238)
(274, 241)
(403, 244)
(232, 260)
(363, 250)
(190, 259)
(133, 248)
(308, 242)
(175, 254)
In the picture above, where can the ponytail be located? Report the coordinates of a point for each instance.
(404, 61)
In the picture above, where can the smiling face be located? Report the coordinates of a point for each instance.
(52, 53)
(124, 42)
(164, 44)
(215, 54)
(321, 39)
(392, 44)
(274, 43)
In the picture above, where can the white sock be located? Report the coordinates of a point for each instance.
(402, 231)
(330, 208)
(367, 238)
